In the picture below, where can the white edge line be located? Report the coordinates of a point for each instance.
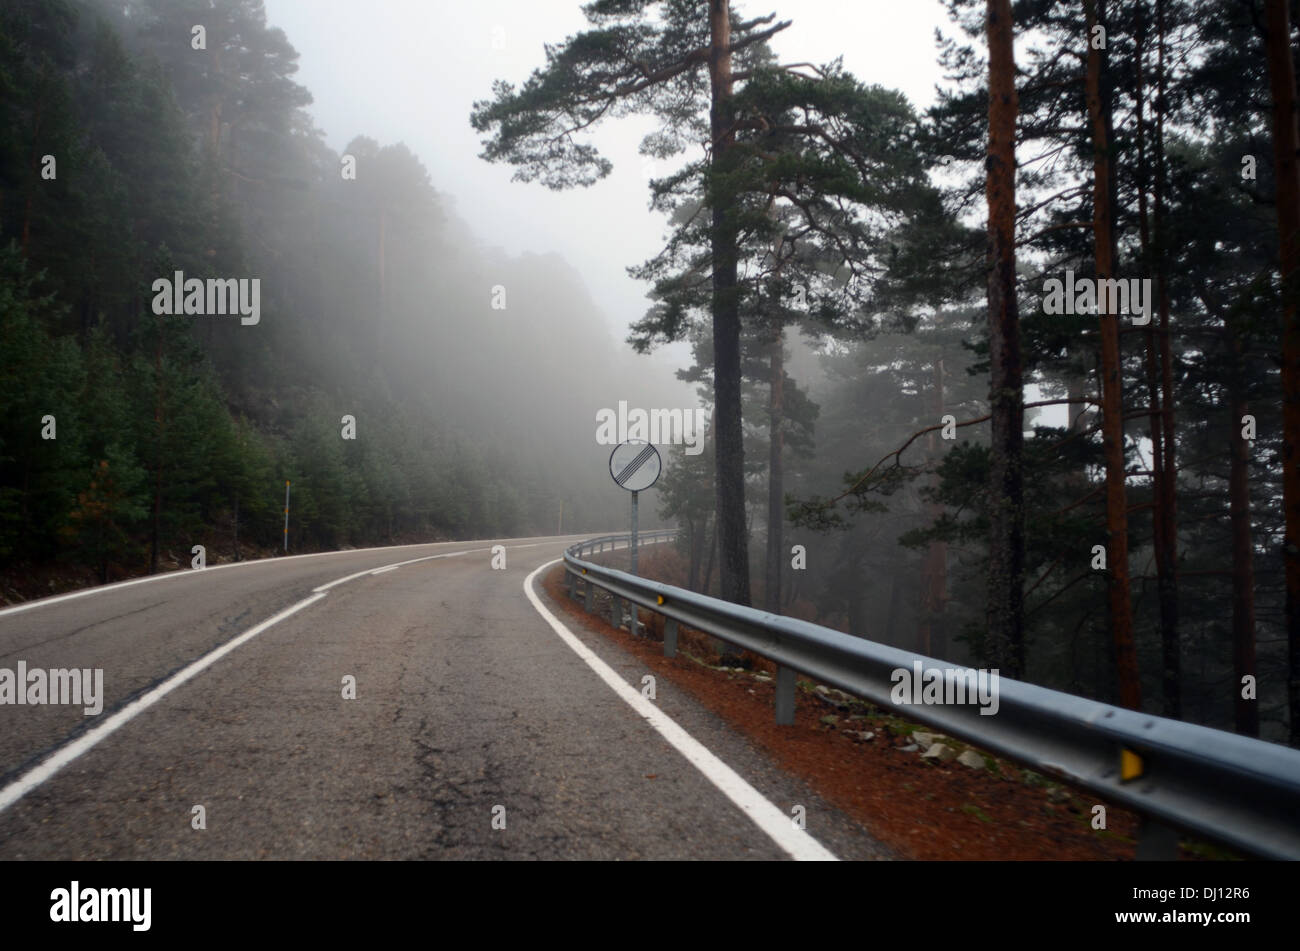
(66, 754)
(779, 827)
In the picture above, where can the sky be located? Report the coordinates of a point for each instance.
(410, 70)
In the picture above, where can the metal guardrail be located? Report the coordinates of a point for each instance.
(1236, 790)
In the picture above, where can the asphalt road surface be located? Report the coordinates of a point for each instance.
(478, 731)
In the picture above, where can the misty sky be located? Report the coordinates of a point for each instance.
(409, 70)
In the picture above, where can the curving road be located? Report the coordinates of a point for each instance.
(224, 688)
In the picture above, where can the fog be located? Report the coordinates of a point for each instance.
(359, 261)
(409, 70)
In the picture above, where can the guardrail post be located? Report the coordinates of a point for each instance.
(1157, 842)
(568, 577)
(670, 637)
(591, 589)
(615, 611)
(784, 696)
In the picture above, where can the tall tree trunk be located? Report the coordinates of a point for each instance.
(1006, 395)
(1243, 549)
(725, 651)
(792, 591)
(1112, 401)
(931, 639)
(776, 474)
(695, 541)
(1168, 503)
(710, 558)
(1164, 535)
(733, 542)
(1286, 143)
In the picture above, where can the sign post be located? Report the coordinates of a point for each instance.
(633, 548)
(635, 466)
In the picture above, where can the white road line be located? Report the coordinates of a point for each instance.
(66, 754)
(396, 564)
(778, 826)
(93, 737)
(413, 561)
(188, 573)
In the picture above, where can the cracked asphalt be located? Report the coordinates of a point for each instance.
(468, 709)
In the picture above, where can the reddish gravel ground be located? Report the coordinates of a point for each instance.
(919, 809)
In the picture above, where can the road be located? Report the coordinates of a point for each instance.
(471, 711)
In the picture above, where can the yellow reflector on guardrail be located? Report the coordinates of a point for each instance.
(1130, 765)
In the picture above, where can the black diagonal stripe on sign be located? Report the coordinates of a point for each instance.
(635, 464)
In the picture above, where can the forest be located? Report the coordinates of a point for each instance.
(1139, 546)
(1011, 380)
(126, 157)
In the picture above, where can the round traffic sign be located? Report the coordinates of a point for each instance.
(635, 465)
